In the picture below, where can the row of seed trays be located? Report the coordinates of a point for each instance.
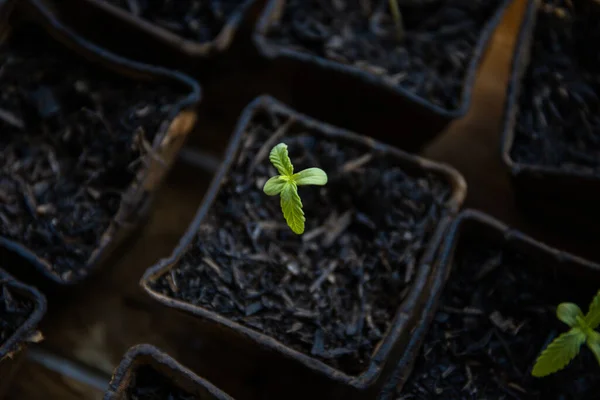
(410, 63)
(341, 253)
(86, 139)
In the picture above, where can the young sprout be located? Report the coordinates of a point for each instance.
(395, 9)
(286, 185)
(565, 348)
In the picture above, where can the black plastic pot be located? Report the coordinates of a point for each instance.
(174, 374)
(13, 350)
(362, 102)
(471, 229)
(134, 37)
(136, 200)
(332, 382)
(544, 193)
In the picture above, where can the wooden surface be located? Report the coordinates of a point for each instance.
(100, 321)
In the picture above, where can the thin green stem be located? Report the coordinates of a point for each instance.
(395, 9)
(593, 342)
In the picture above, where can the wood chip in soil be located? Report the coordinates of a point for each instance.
(558, 122)
(431, 61)
(332, 293)
(198, 20)
(489, 354)
(66, 165)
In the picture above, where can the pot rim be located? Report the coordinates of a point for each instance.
(148, 355)
(13, 343)
(189, 47)
(510, 235)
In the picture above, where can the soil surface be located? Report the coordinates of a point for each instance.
(198, 20)
(497, 313)
(148, 384)
(558, 124)
(72, 136)
(431, 61)
(14, 310)
(333, 292)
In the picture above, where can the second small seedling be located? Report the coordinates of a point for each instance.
(565, 348)
(286, 185)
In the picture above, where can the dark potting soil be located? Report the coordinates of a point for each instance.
(432, 61)
(72, 136)
(496, 315)
(333, 292)
(198, 20)
(14, 310)
(148, 384)
(558, 123)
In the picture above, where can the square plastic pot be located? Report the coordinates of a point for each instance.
(145, 355)
(137, 198)
(362, 102)
(333, 383)
(134, 37)
(470, 229)
(548, 195)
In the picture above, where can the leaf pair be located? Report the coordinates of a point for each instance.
(565, 348)
(286, 185)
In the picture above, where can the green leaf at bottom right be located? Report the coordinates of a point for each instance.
(559, 353)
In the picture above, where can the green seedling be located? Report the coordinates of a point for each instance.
(567, 346)
(286, 185)
(395, 9)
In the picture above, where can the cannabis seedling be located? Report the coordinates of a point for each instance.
(286, 184)
(565, 348)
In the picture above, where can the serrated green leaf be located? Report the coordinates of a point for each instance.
(291, 205)
(274, 185)
(593, 342)
(310, 176)
(568, 313)
(280, 159)
(559, 353)
(592, 318)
